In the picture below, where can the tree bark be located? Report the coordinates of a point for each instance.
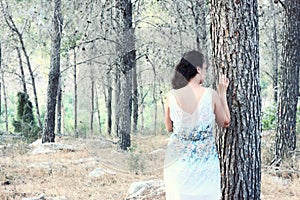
(5, 100)
(0, 81)
(289, 82)
(135, 99)
(75, 91)
(59, 107)
(235, 48)
(92, 104)
(109, 103)
(98, 111)
(2, 85)
(49, 123)
(128, 58)
(275, 53)
(22, 71)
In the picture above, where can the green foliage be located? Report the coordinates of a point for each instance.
(24, 122)
(269, 117)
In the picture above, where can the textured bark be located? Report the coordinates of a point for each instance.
(117, 90)
(108, 101)
(275, 54)
(59, 107)
(289, 82)
(128, 57)
(22, 71)
(49, 123)
(235, 48)
(135, 99)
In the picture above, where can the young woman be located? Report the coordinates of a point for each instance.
(191, 169)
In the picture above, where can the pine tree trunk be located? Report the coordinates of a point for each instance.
(135, 99)
(289, 83)
(109, 104)
(75, 92)
(59, 107)
(92, 106)
(49, 123)
(0, 81)
(22, 71)
(235, 48)
(128, 63)
(2, 85)
(117, 83)
(98, 111)
(5, 100)
(275, 54)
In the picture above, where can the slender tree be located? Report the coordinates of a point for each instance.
(2, 84)
(275, 54)
(75, 91)
(22, 71)
(235, 49)
(49, 123)
(0, 81)
(289, 82)
(59, 107)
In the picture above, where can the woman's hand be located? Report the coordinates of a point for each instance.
(223, 84)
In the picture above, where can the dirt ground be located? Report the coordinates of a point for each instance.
(66, 174)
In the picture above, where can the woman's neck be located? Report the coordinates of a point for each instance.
(194, 83)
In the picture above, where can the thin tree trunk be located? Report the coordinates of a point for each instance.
(59, 107)
(235, 48)
(0, 81)
(109, 103)
(98, 111)
(2, 85)
(5, 100)
(92, 106)
(275, 53)
(135, 99)
(285, 141)
(49, 124)
(116, 100)
(75, 92)
(22, 70)
(155, 101)
(141, 96)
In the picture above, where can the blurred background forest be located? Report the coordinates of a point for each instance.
(163, 31)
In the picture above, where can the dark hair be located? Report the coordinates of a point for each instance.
(187, 68)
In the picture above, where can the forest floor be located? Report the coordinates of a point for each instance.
(66, 172)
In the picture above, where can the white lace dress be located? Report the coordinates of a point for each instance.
(191, 168)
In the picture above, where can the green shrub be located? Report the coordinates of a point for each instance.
(24, 122)
(269, 117)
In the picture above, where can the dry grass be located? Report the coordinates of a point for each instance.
(67, 173)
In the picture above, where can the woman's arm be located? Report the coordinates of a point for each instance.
(168, 121)
(220, 103)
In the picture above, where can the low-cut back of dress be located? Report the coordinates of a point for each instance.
(191, 168)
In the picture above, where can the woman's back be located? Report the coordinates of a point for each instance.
(190, 108)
